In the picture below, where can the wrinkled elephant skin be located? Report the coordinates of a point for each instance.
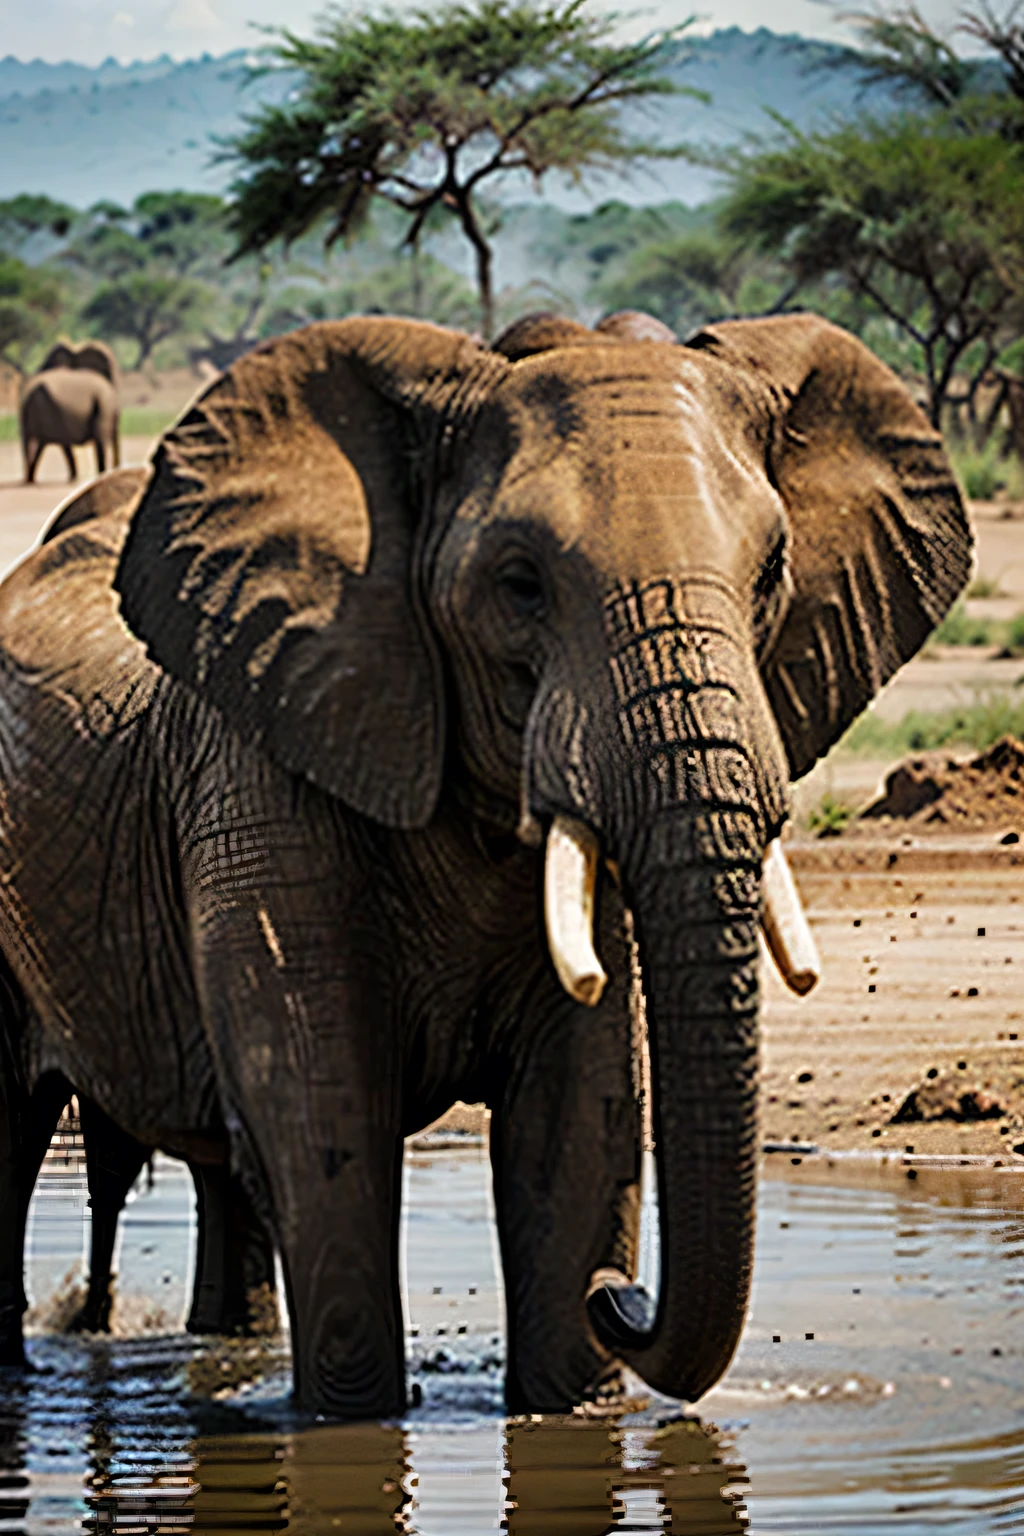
(281, 741)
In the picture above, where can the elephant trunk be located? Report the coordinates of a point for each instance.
(696, 929)
(686, 811)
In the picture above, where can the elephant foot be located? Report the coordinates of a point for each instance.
(256, 1317)
(618, 1391)
(93, 1316)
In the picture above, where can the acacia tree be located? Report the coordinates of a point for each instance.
(922, 213)
(423, 108)
(146, 308)
(29, 303)
(920, 221)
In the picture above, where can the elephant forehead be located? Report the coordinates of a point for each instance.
(641, 458)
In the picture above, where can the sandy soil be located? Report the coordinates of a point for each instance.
(922, 940)
(26, 509)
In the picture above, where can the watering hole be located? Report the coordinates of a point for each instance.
(903, 1413)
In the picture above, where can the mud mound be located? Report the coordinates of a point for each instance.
(936, 790)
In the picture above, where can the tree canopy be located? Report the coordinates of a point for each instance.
(920, 213)
(422, 108)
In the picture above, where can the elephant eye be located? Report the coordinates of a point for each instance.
(521, 583)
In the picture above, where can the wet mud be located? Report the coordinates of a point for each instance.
(879, 1386)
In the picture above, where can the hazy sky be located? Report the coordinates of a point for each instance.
(90, 30)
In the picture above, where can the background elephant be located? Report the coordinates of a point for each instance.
(72, 399)
(393, 607)
(233, 1288)
(234, 1261)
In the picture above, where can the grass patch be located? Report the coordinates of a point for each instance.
(141, 421)
(986, 473)
(985, 586)
(958, 628)
(975, 725)
(830, 816)
(138, 421)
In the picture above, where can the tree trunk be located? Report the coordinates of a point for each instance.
(475, 235)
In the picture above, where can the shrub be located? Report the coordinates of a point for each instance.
(958, 628)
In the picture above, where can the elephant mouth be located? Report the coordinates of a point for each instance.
(571, 864)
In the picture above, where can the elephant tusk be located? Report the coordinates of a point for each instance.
(570, 874)
(786, 929)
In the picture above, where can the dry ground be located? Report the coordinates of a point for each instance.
(922, 940)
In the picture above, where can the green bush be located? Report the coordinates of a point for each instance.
(958, 628)
(977, 725)
(982, 474)
(829, 817)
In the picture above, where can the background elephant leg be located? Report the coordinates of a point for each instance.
(69, 454)
(27, 1122)
(234, 1258)
(101, 457)
(565, 1150)
(113, 1162)
(33, 453)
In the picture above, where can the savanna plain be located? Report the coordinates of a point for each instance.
(878, 1386)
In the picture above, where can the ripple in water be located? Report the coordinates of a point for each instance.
(903, 1414)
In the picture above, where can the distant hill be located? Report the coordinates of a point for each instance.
(81, 134)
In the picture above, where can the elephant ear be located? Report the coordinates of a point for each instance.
(62, 354)
(879, 544)
(109, 495)
(97, 357)
(270, 564)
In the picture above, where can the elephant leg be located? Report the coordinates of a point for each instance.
(69, 454)
(33, 453)
(565, 1150)
(101, 457)
(115, 448)
(114, 1161)
(234, 1256)
(27, 1123)
(308, 1065)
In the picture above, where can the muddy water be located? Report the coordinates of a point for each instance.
(904, 1412)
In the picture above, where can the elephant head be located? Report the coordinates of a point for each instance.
(586, 578)
(93, 355)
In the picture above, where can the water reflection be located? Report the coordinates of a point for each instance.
(139, 1458)
(878, 1389)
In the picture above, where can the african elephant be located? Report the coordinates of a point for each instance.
(394, 609)
(234, 1261)
(234, 1258)
(72, 399)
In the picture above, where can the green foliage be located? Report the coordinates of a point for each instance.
(985, 586)
(31, 214)
(919, 218)
(145, 309)
(958, 628)
(977, 725)
(414, 285)
(920, 214)
(983, 474)
(28, 300)
(1014, 643)
(829, 817)
(685, 281)
(421, 108)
